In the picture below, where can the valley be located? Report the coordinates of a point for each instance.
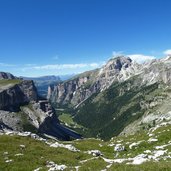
(85, 85)
(117, 117)
(109, 101)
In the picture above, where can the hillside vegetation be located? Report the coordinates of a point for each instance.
(108, 101)
(6, 82)
(106, 114)
(148, 151)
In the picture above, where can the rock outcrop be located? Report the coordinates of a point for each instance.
(75, 91)
(22, 110)
(14, 95)
(5, 75)
(107, 101)
(81, 87)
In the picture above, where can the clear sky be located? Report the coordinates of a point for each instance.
(45, 37)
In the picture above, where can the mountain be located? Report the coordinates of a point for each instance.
(22, 110)
(43, 82)
(125, 99)
(122, 97)
(74, 91)
(5, 75)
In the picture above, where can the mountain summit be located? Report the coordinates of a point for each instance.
(113, 99)
(82, 86)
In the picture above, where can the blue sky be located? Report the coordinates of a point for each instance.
(45, 37)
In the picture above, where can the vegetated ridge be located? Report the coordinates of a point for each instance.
(122, 97)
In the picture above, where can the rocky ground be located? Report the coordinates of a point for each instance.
(147, 150)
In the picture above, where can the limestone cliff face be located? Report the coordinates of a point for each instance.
(12, 96)
(78, 89)
(36, 117)
(22, 110)
(157, 71)
(29, 90)
(75, 91)
(42, 116)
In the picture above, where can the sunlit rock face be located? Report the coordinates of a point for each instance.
(119, 69)
(22, 110)
(81, 87)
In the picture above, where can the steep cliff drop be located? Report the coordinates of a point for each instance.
(22, 110)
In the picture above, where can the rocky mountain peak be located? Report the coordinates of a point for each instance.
(115, 65)
(118, 69)
(119, 62)
(82, 86)
(5, 75)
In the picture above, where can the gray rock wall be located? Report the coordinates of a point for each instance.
(14, 96)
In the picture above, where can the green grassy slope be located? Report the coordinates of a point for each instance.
(36, 154)
(5, 82)
(107, 113)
